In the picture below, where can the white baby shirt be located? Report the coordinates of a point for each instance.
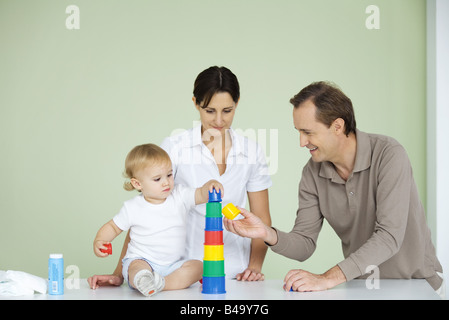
(158, 231)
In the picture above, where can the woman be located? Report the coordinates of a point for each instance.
(215, 151)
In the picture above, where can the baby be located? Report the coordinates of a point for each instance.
(157, 222)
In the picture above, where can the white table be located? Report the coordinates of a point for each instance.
(255, 291)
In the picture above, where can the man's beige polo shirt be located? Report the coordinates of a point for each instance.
(376, 213)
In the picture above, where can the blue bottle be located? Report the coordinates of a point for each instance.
(56, 274)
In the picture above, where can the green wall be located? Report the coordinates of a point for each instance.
(74, 102)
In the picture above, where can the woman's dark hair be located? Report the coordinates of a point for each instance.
(331, 103)
(213, 80)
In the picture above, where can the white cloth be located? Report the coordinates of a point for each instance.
(158, 231)
(246, 171)
(19, 283)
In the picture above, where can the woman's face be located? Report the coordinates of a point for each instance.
(218, 115)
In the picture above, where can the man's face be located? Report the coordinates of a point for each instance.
(314, 135)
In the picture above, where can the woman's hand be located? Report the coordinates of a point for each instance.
(250, 275)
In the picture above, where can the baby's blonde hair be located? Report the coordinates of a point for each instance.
(140, 157)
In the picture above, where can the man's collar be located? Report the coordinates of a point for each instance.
(363, 155)
(362, 158)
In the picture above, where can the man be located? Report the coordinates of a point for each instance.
(363, 185)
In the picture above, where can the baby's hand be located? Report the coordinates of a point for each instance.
(211, 185)
(202, 194)
(100, 248)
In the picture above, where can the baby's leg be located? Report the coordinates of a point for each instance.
(134, 268)
(142, 278)
(189, 273)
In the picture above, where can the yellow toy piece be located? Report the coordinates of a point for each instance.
(213, 253)
(230, 211)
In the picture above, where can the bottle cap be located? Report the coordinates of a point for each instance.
(56, 255)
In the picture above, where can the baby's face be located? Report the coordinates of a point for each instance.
(156, 182)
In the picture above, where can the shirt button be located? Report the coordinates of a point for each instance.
(351, 193)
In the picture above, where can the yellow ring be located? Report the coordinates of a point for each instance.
(213, 253)
(230, 211)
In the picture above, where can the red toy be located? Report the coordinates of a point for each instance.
(108, 250)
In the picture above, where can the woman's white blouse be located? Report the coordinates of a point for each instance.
(246, 171)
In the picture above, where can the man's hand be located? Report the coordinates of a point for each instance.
(301, 280)
(251, 227)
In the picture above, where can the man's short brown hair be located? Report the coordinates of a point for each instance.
(331, 103)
